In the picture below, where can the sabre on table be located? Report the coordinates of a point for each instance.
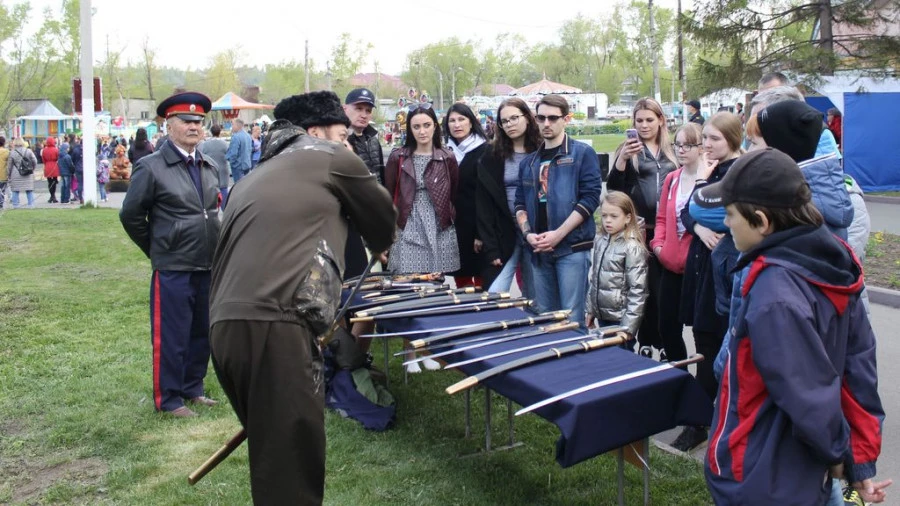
(610, 381)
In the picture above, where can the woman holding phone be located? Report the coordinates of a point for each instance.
(641, 165)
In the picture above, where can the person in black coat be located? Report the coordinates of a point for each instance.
(465, 137)
(516, 135)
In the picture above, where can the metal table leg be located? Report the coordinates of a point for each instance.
(646, 470)
(620, 474)
(468, 413)
(387, 377)
(487, 419)
(510, 420)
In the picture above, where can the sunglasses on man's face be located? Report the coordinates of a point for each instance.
(540, 118)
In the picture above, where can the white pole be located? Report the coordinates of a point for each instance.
(88, 141)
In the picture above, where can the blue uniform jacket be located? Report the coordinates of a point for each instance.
(573, 184)
(799, 391)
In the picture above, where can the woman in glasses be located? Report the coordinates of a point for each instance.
(707, 283)
(516, 136)
(640, 168)
(466, 139)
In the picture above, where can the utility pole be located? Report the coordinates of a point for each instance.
(328, 75)
(306, 64)
(88, 141)
(681, 74)
(653, 49)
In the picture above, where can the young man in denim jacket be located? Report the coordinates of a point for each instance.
(559, 190)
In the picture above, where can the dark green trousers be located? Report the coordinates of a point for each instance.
(272, 374)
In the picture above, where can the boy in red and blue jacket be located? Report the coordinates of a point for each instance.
(798, 401)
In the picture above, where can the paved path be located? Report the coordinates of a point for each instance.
(885, 217)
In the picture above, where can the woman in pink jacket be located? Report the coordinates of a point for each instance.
(671, 241)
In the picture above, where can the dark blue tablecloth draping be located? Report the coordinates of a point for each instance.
(593, 422)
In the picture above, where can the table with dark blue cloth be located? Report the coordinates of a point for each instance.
(593, 422)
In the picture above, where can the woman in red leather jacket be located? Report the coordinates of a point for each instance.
(423, 177)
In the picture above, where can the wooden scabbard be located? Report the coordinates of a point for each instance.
(216, 458)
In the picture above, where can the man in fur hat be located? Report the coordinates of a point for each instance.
(276, 285)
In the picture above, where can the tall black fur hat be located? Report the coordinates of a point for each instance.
(316, 108)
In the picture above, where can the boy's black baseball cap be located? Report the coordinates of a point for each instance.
(767, 178)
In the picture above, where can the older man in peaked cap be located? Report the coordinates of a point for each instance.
(170, 212)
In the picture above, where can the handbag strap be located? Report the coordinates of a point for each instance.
(397, 184)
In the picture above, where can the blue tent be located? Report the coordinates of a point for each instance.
(871, 127)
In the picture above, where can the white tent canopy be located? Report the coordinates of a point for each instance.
(834, 87)
(45, 111)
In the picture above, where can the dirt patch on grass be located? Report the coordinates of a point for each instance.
(18, 304)
(29, 480)
(882, 265)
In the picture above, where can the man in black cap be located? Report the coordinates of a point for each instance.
(170, 213)
(694, 111)
(276, 287)
(364, 139)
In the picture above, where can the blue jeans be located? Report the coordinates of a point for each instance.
(237, 174)
(508, 273)
(837, 494)
(65, 188)
(561, 283)
(28, 193)
(101, 189)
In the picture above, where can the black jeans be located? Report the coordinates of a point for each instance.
(51, 185)
(648, 333)
(708, 345)
(669, 307)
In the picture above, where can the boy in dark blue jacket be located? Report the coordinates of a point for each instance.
(798, 403)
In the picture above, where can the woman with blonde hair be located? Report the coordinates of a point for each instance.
(706, 286)
(641, 165)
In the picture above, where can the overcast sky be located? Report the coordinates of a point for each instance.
(186, 33)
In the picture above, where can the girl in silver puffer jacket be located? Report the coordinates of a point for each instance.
(618, 274)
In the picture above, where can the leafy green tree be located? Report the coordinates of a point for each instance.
(739, 40)
(347, 58)
(222, 74)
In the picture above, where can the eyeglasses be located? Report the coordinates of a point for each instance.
(553, 118)
(421, 105)
(512, 120)
(685, 147)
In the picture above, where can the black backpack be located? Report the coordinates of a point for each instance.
(26, 166)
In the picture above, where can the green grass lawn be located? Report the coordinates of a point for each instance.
(77, 424)
(606, 143)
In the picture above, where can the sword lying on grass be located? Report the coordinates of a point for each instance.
(595, 343)
(236, 440)
(610, 381)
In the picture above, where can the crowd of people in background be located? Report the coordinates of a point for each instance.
(669, 243)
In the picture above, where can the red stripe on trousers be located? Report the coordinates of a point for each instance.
(157, 341)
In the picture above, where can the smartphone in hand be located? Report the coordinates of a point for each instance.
(631, 133)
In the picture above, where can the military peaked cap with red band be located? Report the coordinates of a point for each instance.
(189, 106)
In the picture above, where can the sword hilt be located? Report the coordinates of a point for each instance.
(459, 386)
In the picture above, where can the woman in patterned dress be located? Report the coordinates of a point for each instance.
(423, 177)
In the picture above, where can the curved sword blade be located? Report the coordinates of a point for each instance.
(609, 381)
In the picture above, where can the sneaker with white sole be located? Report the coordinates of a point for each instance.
(431, 365)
